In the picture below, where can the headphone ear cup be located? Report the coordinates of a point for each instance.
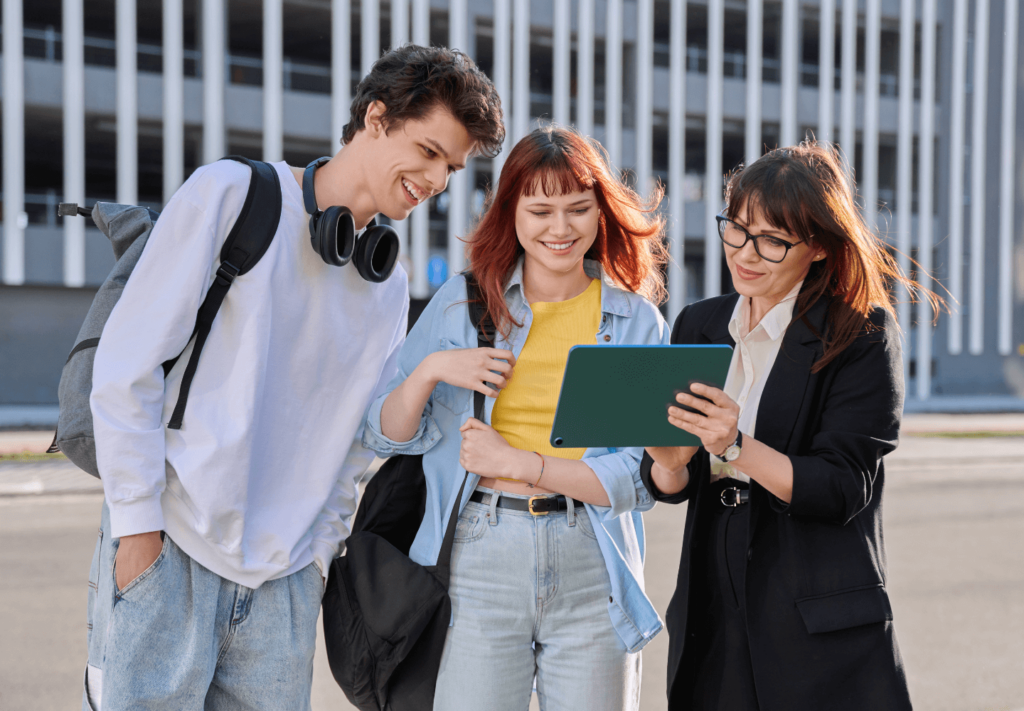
(377, 253)
(334, 235)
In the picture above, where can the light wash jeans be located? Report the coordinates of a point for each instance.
(530, 597)
(181, 638)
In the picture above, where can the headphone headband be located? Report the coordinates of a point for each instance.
(308, 191)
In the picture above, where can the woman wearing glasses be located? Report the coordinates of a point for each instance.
(781, 596)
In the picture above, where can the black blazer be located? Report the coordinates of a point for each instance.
(818, 616)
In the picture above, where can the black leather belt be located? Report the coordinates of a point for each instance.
(733, 497)
(730, 493)
(540, 505)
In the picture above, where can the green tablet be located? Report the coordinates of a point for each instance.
(618, 396)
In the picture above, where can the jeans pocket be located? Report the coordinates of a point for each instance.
(470, 527)
(584, 523)
(141, 577)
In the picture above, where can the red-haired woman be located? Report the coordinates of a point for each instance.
(565, 255)
(781, 598)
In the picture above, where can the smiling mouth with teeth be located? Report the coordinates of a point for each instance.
(413, 192)
(560, 247)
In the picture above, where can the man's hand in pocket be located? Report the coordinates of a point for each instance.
(134, 555)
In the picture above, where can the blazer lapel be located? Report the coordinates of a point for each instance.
(784, 390)
(716, 328)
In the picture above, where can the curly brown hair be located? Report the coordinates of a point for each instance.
(411, 81)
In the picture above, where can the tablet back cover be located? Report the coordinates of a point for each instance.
(618, 396)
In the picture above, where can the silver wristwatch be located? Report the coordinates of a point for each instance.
(732, 452)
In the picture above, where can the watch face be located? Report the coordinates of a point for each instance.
(731, 454)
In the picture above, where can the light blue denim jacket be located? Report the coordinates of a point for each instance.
(627, 319)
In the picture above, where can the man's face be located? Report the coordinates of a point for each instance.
(414, 161)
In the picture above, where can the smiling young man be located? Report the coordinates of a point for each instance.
(208, 573)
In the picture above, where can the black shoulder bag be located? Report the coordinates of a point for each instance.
(385, 616)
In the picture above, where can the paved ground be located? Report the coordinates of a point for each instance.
(954, 518)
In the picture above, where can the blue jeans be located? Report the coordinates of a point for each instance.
(530, 597)
(182, 638)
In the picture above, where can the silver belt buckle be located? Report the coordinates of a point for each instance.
(730, 501)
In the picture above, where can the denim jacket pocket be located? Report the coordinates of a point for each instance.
(448, 396)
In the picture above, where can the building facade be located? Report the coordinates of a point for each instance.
(121, 99)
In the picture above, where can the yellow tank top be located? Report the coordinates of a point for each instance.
(525, 410)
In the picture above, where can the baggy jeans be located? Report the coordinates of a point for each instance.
(181, 637)
(530, 597)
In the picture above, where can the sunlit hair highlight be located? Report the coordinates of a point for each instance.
(557, 160)
(803, 189)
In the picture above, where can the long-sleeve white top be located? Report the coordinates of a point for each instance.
(261, 479)
(752, 361)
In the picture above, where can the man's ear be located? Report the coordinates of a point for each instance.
(373, 122)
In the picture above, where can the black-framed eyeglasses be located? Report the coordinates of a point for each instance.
(770, 249)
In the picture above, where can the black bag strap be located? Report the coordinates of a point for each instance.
(484, 328)
(248, 241)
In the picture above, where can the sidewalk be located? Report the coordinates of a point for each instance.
(930, 443)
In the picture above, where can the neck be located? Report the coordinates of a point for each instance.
(342, 181)
(544, 285)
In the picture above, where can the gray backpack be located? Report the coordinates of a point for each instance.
(128, 228)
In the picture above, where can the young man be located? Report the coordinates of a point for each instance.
(216, 537)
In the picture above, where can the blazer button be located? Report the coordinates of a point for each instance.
(750, 554)
(607, 338)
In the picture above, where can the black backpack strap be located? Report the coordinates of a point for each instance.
(484, 338)
(248, 241)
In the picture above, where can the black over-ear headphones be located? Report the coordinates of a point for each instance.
(332, 232)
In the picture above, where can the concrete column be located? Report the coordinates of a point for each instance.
(72, 34)
(788, 128)
(755, 35)
(613, 83)
(341, 69)
(904, 167)
(644, 94)
(502, 78)
(214, 70)
(925, 203)
(868, 182)
(826, 70)
(370, 36)
(174, 97)
(585, 68)
(677, 159)
(420, 287)
(127, 104)
(979, 187)
(15, 219)
(1007, 153)
(520, 70)
(458, 185)
(713, 153)
(956, 177)
(273, 81)
(562, 51)
(848, 87)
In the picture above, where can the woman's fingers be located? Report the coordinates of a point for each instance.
(501, 354)
(715, 395)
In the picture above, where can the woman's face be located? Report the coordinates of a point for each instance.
(758, 278)
(557, 230)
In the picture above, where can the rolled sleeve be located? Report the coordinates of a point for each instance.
(427, 434)
(619, 474)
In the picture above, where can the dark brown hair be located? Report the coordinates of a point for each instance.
(804, 190)
(412, 81)
(557, 160)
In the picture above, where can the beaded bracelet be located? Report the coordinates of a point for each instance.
(542, 463)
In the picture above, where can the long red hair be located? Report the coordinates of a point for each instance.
(557, 160)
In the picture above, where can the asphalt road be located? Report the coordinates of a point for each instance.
(954, 532)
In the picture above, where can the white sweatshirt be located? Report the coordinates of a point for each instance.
(261, 479)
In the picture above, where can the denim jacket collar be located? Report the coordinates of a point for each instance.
(613, 298)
